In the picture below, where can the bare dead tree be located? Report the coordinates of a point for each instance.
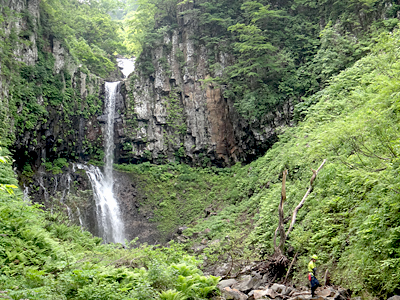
(284, 235)
(290, 267)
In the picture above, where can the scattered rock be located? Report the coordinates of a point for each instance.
(343, 294)
(226, 283)
(271, 293)
(198, 248)
(328, 292)
(301, 297)
(181, 229)
(222, 270)
(214, 242)
(278, 288)
(287, 291)
(297, 293)
(234, 294)
(250, 285)
(257, 294)
(181, 239)
(247, 282)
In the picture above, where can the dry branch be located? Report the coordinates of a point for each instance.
(290, 267)
(280, 227)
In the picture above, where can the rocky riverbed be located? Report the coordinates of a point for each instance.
(252, 287)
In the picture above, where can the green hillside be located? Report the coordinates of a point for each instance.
(351, 219)
(340, 71)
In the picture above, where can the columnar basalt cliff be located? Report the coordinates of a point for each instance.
(176, 113)
(49, 106)
(53, 111)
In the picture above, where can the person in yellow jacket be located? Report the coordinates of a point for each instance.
(312, 272)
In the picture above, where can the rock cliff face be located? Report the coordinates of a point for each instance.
(63, 96)
(173, 113)
(71, 194)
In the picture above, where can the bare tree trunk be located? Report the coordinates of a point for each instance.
(283, 236)
(280, 228)
(290, 267)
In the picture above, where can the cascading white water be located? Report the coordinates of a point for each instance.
(109, 221)
(26, 194)
(127, 65)
(110, 225)
(80, 218)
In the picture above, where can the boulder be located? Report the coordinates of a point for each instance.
(345, 293)
(181, 229)
(227, 282)
(297, 293)
(287, 291)
(181, 239)
(247, 282)
(394, 298)
(328, 292)
(198, 248)
(301, 297)
(206, 231)
(271, 293)
(234, 294)
(278, 288)
(221, 270)
(261, 294)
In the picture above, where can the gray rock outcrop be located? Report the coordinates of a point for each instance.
(177, 113)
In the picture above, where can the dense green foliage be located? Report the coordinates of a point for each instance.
(351, 219)
(352, 216)
(43, 257)
(35, 96)
(86, 30)
(170, 186)
(295, 49)
(282, 50)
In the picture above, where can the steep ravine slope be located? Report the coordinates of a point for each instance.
(173, 113)
(50, 102)
(350, 219)
(49, 108)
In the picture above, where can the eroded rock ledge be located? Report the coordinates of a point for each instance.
(176, 113)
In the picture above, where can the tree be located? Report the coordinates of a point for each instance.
(284, 235)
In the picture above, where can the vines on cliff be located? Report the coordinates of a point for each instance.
(283, 51)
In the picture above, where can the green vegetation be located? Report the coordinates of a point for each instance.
(41, 257)
(283, 51)
(334, 60)
(86, 30)
(174, 185)
(351, 219)
(34, 95)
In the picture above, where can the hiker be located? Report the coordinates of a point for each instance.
(312, 270)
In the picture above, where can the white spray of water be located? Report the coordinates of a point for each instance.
(80, 219)
(110, 225)
(127, 65)
(26, 194)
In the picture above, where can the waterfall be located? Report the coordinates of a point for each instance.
(109, 221)
(127, 65)
(80, 219)
(26, 194)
